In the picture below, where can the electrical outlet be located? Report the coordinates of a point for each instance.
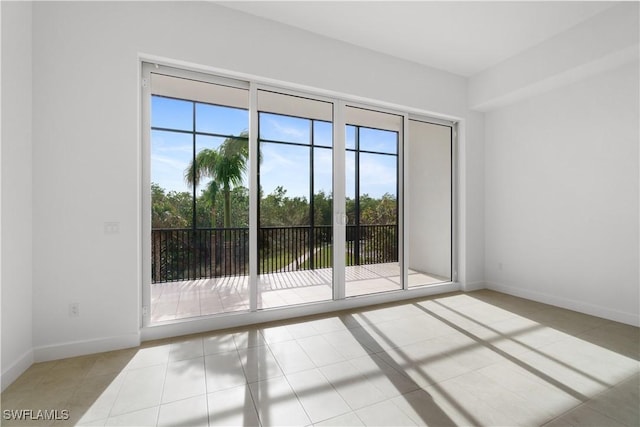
(74, 309)
(111, 227)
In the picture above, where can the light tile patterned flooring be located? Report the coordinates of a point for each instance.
(180, 300)
(481, 358)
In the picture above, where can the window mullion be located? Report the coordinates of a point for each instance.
(339, 211)
(254, 194)
(311, 197)
(195, 166)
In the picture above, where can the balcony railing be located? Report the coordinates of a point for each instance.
(186, 254)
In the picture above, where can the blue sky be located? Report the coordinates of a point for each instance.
(284, 165)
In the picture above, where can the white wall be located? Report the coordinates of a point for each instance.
(16, 276)
(471, 232)
(86, 138)
(562, 187)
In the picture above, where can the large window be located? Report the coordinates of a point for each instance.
(260, 198)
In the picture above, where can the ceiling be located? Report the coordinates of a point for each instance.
(460, 37)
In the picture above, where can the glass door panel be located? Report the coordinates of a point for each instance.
(199, 198)
(295, 226)
(429, 192)
(372, 184)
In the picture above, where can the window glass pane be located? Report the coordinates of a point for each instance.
(322, 232)
(284, 201)
(171, 155)
(350, 142)
(170, 113)
(382, 141)
(295, 253)
(322, 133)
(322, 186)
(350, 191)
(378, 175)
(208, 142)
(209, 199)
(275, 127)
(221, 120)
(371, 206)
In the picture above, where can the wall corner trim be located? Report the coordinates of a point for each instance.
(16, 369)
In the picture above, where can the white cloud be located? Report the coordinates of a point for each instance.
(173, 149)
(286, 166)
(297, 134)
(168, 163)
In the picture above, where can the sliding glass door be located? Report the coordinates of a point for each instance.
(262, 198)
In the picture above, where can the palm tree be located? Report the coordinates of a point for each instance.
(225, 166)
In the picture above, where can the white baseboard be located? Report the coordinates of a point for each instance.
(571, 304)
(81, 348)
(474, 286)
(16, 369)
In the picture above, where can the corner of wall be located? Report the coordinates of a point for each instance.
(16, 247)
(570, 304)
(474, 286)
(17, 368)
(471, 240)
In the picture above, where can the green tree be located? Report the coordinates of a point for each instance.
(323, 208)
(239, 208)
(279, 210)
(169, 210)
(378, 211)
(225, 167)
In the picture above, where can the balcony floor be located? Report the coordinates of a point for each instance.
(192, 298)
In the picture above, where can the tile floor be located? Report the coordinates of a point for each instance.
(180, 300)
(481, 358)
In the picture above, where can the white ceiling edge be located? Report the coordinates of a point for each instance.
(461, 37)
(573, 75)
(604, 42)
